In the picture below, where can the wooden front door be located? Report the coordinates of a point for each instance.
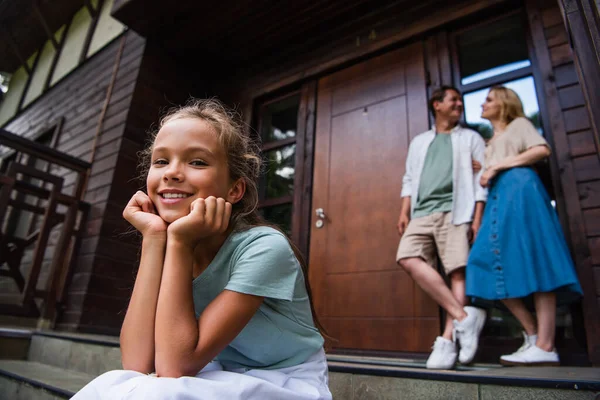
(366, 116)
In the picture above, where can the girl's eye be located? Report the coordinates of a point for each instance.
(160, 161)
(198, 163)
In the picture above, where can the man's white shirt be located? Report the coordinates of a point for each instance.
(467, 145)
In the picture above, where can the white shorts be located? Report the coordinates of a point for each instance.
(301, 382)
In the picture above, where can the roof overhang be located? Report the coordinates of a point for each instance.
(25, 26)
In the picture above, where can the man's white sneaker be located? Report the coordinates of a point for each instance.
(443, 355)
(532, 356)
(467, 333)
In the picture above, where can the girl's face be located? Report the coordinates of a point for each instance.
(187, 163)
(492, 107)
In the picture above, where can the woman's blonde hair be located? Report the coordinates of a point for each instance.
(511, 106)
(243, 160)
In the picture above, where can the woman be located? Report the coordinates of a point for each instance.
(520, 250)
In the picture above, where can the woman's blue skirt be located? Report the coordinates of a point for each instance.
(520, 248)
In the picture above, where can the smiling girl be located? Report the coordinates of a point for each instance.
(220, 308)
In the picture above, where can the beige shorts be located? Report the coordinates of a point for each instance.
(423, 235)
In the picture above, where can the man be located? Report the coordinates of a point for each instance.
(442, 195)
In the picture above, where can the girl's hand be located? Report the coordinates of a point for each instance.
(487, 176)
(207, 217)
(140, 213)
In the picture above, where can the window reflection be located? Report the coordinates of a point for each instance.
(492, 50)
(280, 215)
(279, 119)
(280, 171)
(524, 87)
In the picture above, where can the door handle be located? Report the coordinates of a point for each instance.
(321, 218)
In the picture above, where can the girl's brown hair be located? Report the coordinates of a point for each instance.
(243, 161)
(512, 107)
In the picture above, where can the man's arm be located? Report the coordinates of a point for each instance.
(406, 192)
(404, 218)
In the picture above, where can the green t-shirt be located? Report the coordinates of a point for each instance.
(435, 184)
(260, 261)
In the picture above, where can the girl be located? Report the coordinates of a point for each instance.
(214, 282)
(520, 249)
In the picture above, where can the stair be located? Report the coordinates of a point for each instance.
(364, 378)
(40, 365)
(53, 365)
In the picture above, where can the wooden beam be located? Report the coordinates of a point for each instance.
(61, 44)
(42, 152)
(90, 33)
(40, 15)
(557, 132)
(93, 11)
(584, 37)
(301, 213)
(334, 59)
(29, 79)
(13, 45)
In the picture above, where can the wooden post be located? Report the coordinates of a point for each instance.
(584, 36)
(576, 225)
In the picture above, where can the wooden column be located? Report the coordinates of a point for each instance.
(557, 129)
(582, 22)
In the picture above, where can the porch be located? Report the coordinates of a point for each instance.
(305, 55)
(52, 365)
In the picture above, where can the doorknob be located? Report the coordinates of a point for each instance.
(320, 213)
(321, 218)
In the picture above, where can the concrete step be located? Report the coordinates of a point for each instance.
(89, 354)
(358, 380)
(29, 380)
(59, 364)
(14, 343)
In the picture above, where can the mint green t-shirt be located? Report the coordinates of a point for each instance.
(435, 184)
(261, 262)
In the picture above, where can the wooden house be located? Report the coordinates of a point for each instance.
(336, 90)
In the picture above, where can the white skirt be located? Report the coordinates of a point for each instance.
(301, 382)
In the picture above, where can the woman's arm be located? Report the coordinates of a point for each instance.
(526, 158)
(137, 333)
(185, 345)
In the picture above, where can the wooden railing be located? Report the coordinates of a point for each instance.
(29, 186)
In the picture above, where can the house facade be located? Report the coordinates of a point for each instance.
(336, 90)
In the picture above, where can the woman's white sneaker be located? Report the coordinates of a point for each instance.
(443, 355)
(528, 341)
(532, 356)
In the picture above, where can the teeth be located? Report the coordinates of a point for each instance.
(174, 195)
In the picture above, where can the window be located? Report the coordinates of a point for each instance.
(278, 124)
(525, 88)
(495, 54)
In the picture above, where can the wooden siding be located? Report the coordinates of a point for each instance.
(79, 100)
(576, 154)
(106, 270)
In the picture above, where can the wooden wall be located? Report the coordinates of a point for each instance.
(109, 273)
(79, 100)
(576, 155)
